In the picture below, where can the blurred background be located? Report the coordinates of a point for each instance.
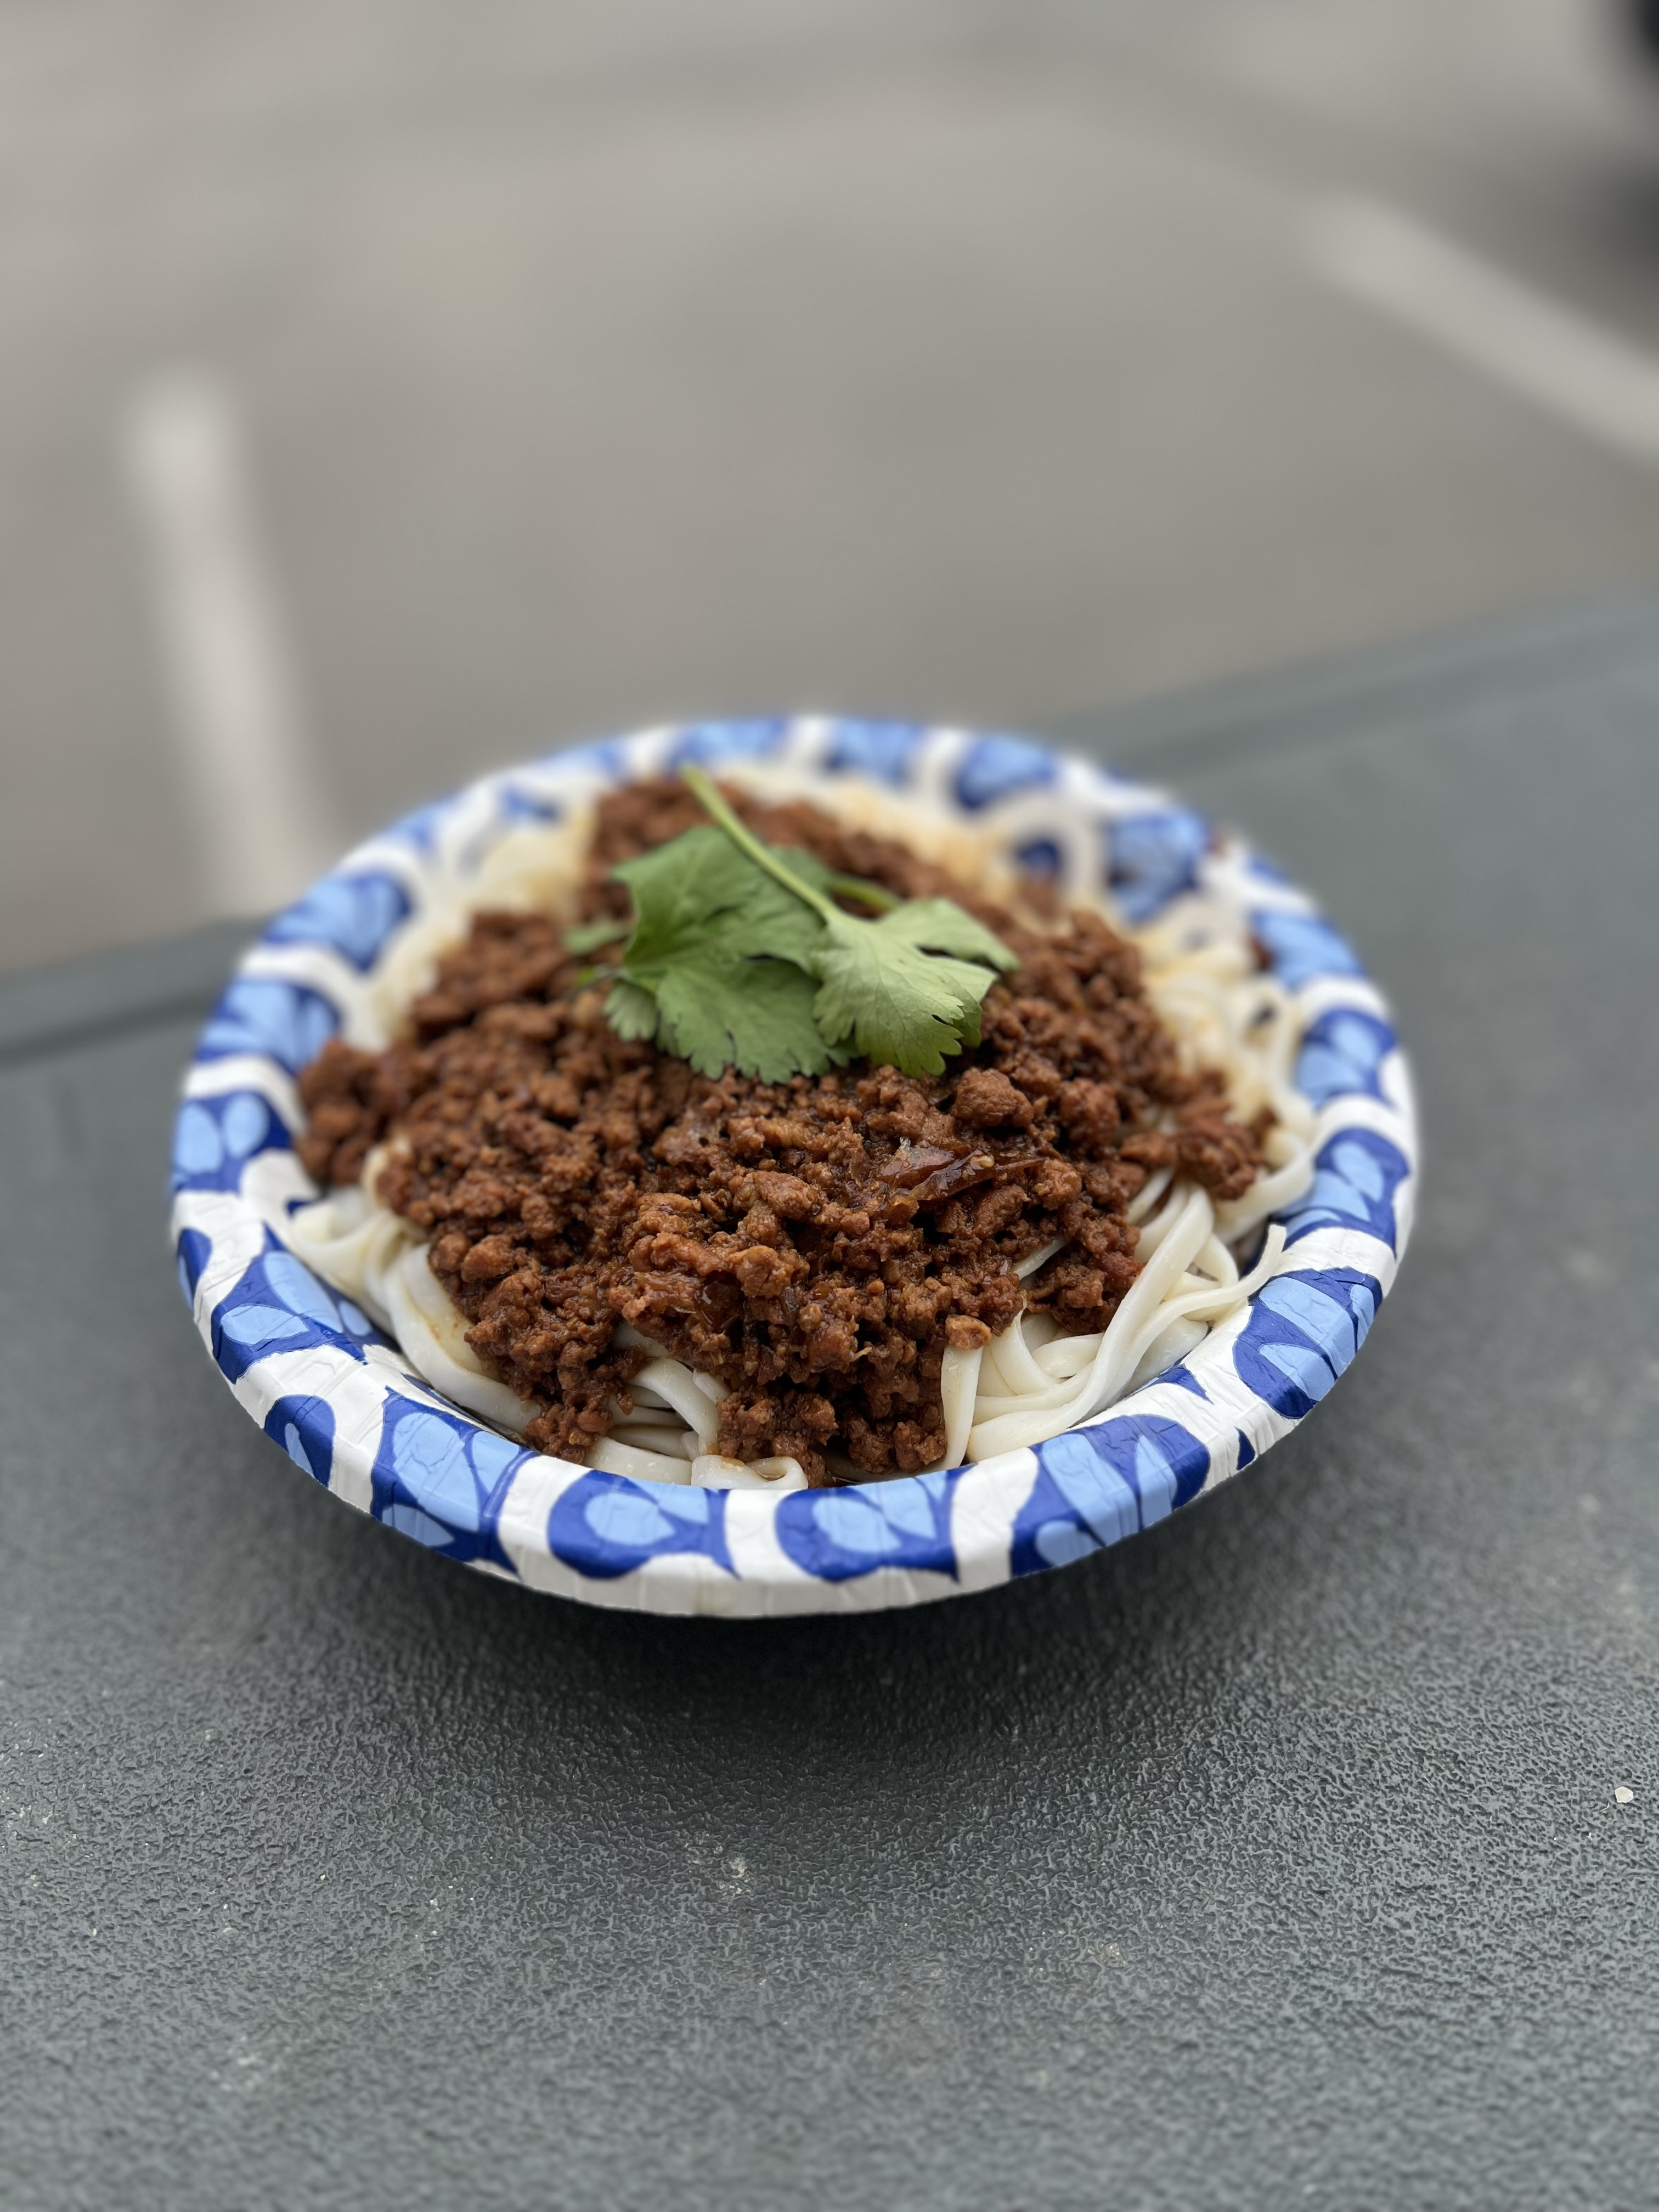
(391, 390)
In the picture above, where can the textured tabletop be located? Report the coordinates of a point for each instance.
(1300, 1851)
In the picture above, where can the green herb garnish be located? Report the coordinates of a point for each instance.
(589, 936)
(715, 970)
(738, 957)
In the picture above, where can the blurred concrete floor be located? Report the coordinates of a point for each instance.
(619, 359)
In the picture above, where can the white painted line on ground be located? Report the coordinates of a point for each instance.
(1563, 361)
(262, 830)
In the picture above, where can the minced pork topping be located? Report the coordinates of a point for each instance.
(817, 1244)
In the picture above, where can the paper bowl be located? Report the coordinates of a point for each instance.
(337, 1395)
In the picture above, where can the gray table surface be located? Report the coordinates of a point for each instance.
(1271, 1858)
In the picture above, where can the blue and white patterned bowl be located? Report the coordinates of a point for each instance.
(324, 1382)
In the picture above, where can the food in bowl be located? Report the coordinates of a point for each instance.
(730, 1136)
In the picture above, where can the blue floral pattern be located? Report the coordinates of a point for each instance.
(195, 1250)
(607, 760)
(287, 1022)
(517, 805)
(421, 828)
(1303, 1332)
(1343, 1051)
(326, 1387)
(1039, 856)
(440, 1478)
(996, 768)
(1152, 858)
(709, 743)
(1301, 948)
(351, 914)
(884, 752)
(214, 1139)
(1357, 1175)
(1097, 1484)
(304, 1427)
(838, 1533)
(606, 1525)
(279, 1305)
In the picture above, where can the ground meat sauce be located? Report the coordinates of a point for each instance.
(816, 1244)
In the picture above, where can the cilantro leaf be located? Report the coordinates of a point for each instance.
(905, 988)
(739, 957)
(715, 970)
(939, 924)
(755, 1015)
(696, 891)
(631, 1010)
(589, 936)
(898, 1004)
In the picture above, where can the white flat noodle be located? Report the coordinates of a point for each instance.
(1269, 1192)
(1213, 1304)
(1153, 1232)
(613, 1458)
(1198, 1310)
(1068, 1355)
(1148, 1195)
(1297, 1115)
(1216, 1261)
(990, 1405)
(1195, 1007)
(654, 1436)
(430, 1332)
(1117, 1352)
(1280, 1147)
(958, 1384)
(676, 1384)
(387, 1243)
(1025, 1396)
(628, 1339)
(1173, 1342)
(1014, 1363)
(534, 867)
(781, 1473)
(350, 1242)
(713, 1473)
(337, 1213)
(991, 1377)
(642, 1395)
(1115, 1359)
(1040, 1258)
(325, 1235)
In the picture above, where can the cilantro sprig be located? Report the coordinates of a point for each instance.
(738, 957)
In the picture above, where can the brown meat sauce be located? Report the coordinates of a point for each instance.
(816, 1244)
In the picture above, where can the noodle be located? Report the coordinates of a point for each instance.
(612, 1456)
(676, 1386)
(1027, 1384)
(958, 1385)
